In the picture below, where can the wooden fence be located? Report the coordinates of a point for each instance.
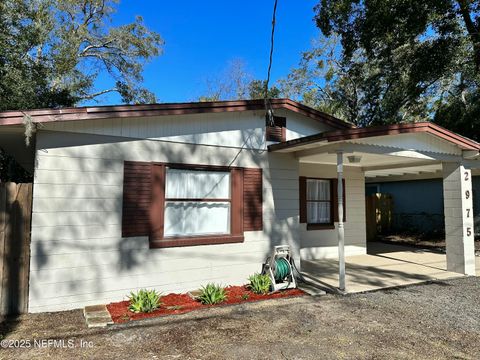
(379, 213)
(15, 218)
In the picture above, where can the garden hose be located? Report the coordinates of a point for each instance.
(299, 275)
(282, 269)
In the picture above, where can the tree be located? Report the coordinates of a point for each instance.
(324, 82)
(256, 90)
(24, 77)
(402, 60)
(52, 52)
(231, 83)
(236, 83)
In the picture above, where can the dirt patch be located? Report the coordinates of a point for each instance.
(437, 244)
(435, 321)
(183, 303)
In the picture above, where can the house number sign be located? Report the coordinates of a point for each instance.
(467, 197)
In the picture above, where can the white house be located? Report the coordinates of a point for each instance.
(172, 196)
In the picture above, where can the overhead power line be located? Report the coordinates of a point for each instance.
(268, 107)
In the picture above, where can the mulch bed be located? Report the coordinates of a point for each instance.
(183, 303)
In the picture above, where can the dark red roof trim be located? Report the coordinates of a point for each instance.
(123, 111)
(359, 133)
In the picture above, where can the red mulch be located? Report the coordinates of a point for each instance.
(183, 303)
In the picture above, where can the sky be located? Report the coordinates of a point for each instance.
(202, 37)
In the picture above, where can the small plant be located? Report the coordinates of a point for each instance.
(212, 294)
(259, 284)
(245, 297)
(144, 301)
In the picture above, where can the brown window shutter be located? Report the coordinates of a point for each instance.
(137, 185)
(237, 202)
(252, 199)
(335, 200)
(157, 207)
(303, 198)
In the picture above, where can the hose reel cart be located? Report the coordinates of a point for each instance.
(279, 266)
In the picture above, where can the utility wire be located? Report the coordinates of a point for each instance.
(268, 106)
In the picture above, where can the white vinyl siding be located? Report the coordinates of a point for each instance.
(234, 129)
(317, 244)
(78, 254)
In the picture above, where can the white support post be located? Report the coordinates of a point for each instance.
(459, 231)
(340, 230)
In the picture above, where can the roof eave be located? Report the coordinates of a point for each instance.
(133, 111)
(360, 133)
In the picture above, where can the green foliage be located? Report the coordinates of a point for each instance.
(10, 169)
(260, 284)
(394, 61)
(52, 51)
(256, 90)
(212, 294)
(144, 301)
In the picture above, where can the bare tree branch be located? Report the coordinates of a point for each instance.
(94, 95)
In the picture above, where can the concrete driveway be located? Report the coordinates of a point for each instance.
(385, 266)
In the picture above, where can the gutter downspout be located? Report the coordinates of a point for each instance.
(340, 230)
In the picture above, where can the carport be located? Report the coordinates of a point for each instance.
(402, 150)
(385, 266)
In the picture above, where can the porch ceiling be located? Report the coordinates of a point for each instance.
(370, 160)
(12, 141)
(426, 170)
(381, 165)
(12, 129)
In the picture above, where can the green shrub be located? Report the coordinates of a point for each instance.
(144, 301)
(260, 284)
(212, 294)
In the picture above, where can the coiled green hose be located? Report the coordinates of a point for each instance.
(282, 269)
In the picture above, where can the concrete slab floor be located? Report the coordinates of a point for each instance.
(384, 266)
(97, 316)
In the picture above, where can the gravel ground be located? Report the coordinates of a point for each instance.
(433, 321)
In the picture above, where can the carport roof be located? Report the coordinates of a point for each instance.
(359, 133)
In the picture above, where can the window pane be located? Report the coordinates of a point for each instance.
(194, 184)
(196, 218)
(318, 189)
(318, 213)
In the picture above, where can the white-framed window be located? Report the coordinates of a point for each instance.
(319, 201)
(197, 202)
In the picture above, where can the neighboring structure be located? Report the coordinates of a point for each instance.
(425, 218)
(171, 196)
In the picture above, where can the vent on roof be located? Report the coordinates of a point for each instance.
(277, 132)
